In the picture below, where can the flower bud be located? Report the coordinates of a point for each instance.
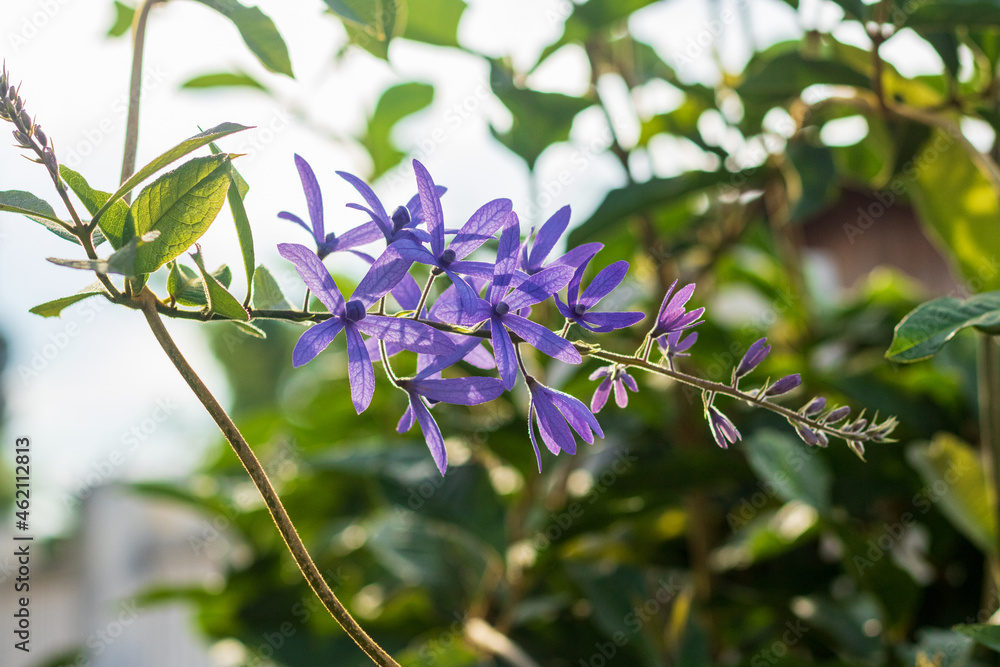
(753, 357)
(784, 385)
(837, 415)
(814, 406)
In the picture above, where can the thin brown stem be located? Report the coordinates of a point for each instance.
(148, 303)
(134, 92)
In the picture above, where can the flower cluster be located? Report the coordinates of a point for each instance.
(492, 301)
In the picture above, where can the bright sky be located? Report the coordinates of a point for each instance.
(92, 388)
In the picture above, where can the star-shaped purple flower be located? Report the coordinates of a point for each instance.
(427, 386)
(672, 316)
(327, 243)
(674, 346)
(352, 317)
(480, 228)
(578, 309)
(501, 305)
(555, 412)
(533, 260)
(404, 220)
(615, 376)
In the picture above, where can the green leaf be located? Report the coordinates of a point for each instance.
(27, 204)
(55, 307)
(955, 482)
(112, 222)
(817, 178)
(930, 325)
(854, 9)
(223, 80)
(186, 287)
(631, 199)
(248, 329)
(121, 261)
(395, 104)
(433, 21)
(786, 75)
(370, 24)
(789, 470)
(219, 299)
(161, 161)
(539, 119)
(123, 20)
(266, 292)
(946, 44)
(943, 14)
(982, 633)
(768, 534)
(243, 231)
(956, 202)
(181, 205)
(258, 32)
(601, 13)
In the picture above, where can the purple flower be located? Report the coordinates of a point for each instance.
(615, 376)
(480, 228)
(754, 355)
(784, 385)
(425, 387)
(673, 346)
(555, 413)
(722, 429)
(531, 261)
(814, 406)
(327, 243)
(404, 220)
(578, 307)
(501, 306)
(672, 316)
(352, 317)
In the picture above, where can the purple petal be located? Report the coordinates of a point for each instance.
(432, 434)
(600, 394)
(430, 204)
(460, 391)
(605, 322)
(555, 431)
(629, 381)
(539, 287)
(564, 309)
(466, 294)
(503, 350)
(360, 235)
(483, 270)
(379, 215)
(754, 355)
(547, 238)
(603, 283)
(417, 211)
(506, 258)
(578, 255)
(480, 358)
(315, 340)
(541, 339)
(451, 310)
(439, 363)
(784, 385)
(407, 293)
(406, 421)
(531, 432)
(576, 413)
(285, 215)
(314, 197)
(408, 334)
(621, 398)
(387, 272)
(481, 227)
(314, 275)
(359, 370)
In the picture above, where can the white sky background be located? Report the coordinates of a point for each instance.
(110, 373)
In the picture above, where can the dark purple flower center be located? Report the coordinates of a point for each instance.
(579, 309)
(354, 311)
(448, 256)
(400, 218)
(501, 309)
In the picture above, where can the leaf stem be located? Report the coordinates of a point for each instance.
(148, 304)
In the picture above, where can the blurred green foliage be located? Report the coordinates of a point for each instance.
(653, 547)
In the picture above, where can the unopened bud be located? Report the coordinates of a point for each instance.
(42, 139)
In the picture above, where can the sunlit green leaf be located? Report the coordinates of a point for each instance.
(433, 21)
(258, 32)
(930, 325)
(112, 222)
(987, 635)
(958, 205)
(956, 484)
(266, 292)
(123, 20)
(219, 299)
(55, 307)
(223, 80)
(181, 205)
(395, 104)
